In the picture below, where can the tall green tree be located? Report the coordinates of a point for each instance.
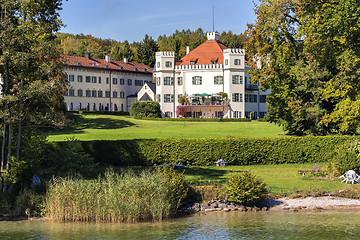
(32, 82)
(145, 52)
(116, 52)
(128, 52)
(122, 50)
(307, 53)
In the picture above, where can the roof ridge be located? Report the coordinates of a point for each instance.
(80, 61)
(205, 52)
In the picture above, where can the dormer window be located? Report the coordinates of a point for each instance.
(214, 60)
(193, 61)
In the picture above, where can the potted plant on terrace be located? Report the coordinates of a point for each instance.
(182, 100)
(224, 97)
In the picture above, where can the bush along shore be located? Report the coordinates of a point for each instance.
(150, 195)
(153, 195)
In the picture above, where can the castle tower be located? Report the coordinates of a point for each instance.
(164, 79)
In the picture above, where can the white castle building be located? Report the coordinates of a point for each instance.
(102, 84)
(209, 82)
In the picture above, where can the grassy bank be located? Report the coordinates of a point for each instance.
(143, 194)
(88, 127)
(282, 176)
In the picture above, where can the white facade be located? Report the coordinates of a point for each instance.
(147, 92)
(202, 77)
(103, 85)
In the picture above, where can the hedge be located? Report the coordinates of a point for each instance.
(204, 152)
(197, 119)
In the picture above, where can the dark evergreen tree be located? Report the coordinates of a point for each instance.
(146, 51)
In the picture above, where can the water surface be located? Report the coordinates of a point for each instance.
(330, 224)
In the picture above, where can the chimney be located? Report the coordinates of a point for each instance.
(126, 60)
(107, 58)
(87, 55)
(187, 50)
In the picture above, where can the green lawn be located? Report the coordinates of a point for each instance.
(283, 175)
(109, 127)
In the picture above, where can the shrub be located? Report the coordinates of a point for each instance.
(148, 109)
(347, 157)
(246, 188)
(177, 185)
(29, 202)
(68, 158)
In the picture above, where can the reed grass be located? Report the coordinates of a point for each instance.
(117, 197)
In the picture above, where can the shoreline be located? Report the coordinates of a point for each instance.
(313, 203)
(279, 204)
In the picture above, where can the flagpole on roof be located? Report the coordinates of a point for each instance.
(213, 8)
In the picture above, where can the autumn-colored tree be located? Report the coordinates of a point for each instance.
(76, 45)
(307, 53)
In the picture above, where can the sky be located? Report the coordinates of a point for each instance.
(130, 20)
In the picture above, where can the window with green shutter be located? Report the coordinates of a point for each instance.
(218, 80)
(197, 80)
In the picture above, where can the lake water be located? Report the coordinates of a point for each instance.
(329, 224)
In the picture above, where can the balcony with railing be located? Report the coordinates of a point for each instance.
(250, 86)
(204, 100)
(203, 106)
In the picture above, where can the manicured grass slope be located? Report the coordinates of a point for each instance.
(90, 127)
(283, 175)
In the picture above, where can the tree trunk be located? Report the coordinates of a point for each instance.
(10, 188)
(9, 149)
(18, 144)
(6, 108)
(4, 188)
(3, 147)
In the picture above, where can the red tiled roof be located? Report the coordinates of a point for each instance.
(102, 64)
(204, 53)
